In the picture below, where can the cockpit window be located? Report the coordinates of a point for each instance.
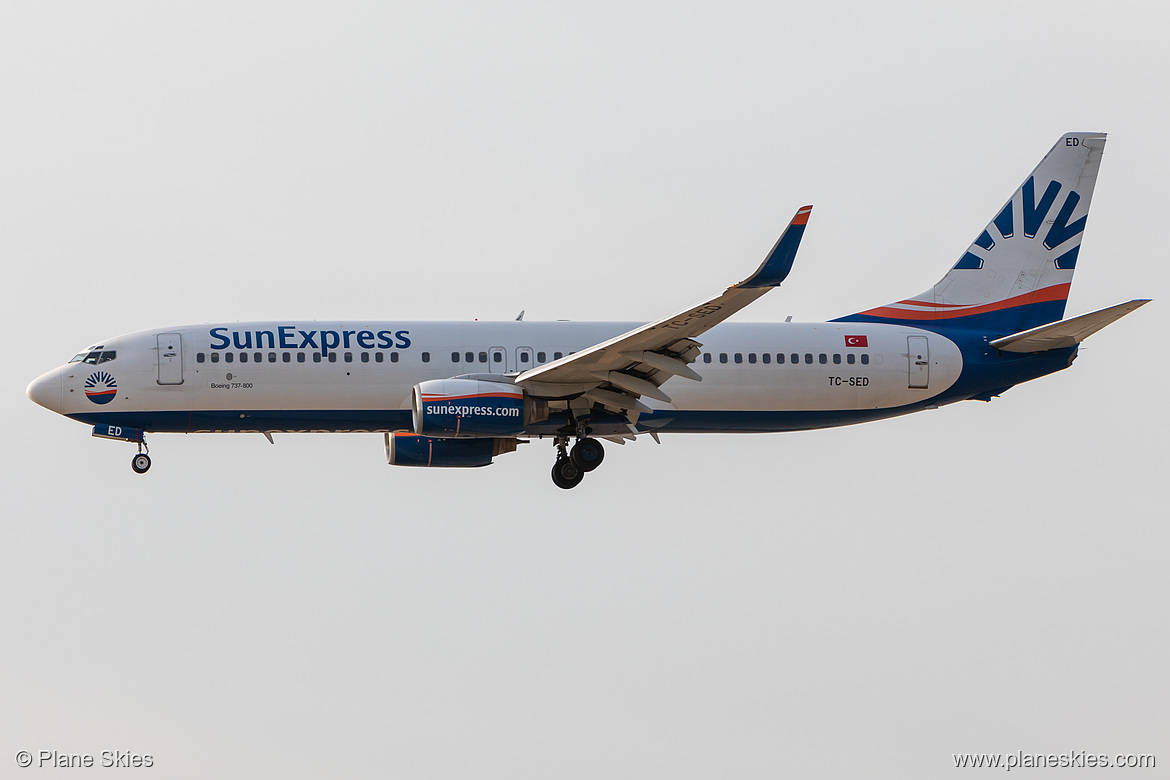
(94, 355)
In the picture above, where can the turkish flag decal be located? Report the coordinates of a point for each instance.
(856, 341)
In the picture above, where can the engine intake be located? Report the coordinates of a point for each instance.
(473, 408)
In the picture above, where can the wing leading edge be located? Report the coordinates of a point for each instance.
(616, 373)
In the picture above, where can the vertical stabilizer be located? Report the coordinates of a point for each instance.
(1018, 271)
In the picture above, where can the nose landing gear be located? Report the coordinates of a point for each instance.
(140, 463)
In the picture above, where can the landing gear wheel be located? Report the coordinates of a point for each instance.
(566, 474)
(587, 454)
(140, 463)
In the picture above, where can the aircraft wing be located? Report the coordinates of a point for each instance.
(1066, 333)
(615, 373)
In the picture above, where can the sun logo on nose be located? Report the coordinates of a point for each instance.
(100, 387)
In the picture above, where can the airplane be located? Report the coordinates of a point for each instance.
(459, 394)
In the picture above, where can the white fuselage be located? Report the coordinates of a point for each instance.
(334, 376)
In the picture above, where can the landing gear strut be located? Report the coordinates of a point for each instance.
(141, 462)
(570, 466)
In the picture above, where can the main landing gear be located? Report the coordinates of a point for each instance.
(571, 465)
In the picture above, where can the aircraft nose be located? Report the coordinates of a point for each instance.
(45, 390)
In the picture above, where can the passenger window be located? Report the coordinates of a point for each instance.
(243, 357)
(497, 357)
(836, 359)
(379, 357)
(393, 357)
(865, 360)
(738, 357)
(523, 357)
(808, 358)
(454, 357)
(795, 358)
(349, 357)
(285, 356)
(300, 357)
(332, 357)
(823, 358)
(228, 357)
(706, 357)
(258, 357)
(482, 357)
(214, 357)
(365, 357)
(722, 357)
(780, 358)
(851, 358)
(558, 355)
(426, 357)
(541, 357)
(317, 357)
(767, 358)
(200, 357)
(469, 357)
(271, 357)
(751, 357)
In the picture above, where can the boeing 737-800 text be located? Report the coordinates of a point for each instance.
(461, 393)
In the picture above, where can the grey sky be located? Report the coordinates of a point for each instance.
(857, 602)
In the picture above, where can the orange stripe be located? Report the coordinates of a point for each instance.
(1057, 292)
(801, 217)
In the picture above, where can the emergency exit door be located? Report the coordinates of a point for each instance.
(170, 359)
(498, 357)
(919, 355)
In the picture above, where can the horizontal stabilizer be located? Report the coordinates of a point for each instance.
(1066, 333)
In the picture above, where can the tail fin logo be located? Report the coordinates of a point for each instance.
(100, 387)
(1033, 214)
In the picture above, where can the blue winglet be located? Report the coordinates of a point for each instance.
(778, 263)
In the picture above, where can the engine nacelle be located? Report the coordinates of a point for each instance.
(408, 449)
(473, 408)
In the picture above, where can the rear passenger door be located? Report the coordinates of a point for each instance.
(918, 353)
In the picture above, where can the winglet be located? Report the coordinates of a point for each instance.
(778, 263)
